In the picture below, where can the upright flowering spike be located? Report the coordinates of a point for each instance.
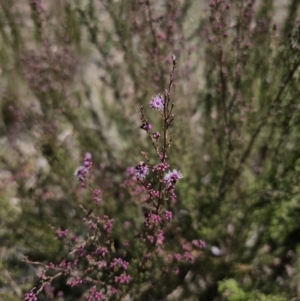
(156, 103)
(82, 171)
(172, 177)
(96, 195)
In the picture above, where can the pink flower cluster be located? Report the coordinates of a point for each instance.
(74, 281)
(152, 193)
(119, 263)
(199, 243)
(151, 220)
(146, 126)
(155, 135)
(160, 237)
(31, 296)
(160, 167)
(83, 170)
(96, 196)
(100, 251)
(172, 177)
(61, 233)
(94, 295)
(168, 215)
(122, 279)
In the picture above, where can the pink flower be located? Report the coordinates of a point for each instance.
(172, 177)
(31, 296)
(122, 279)
(168, 215)
(156, 103)
(61, 233)
(141, 170)
(146, 126)
(199, 243)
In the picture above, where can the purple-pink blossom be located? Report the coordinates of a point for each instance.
(100, 251)
(146, 126)
(153, 193)
(160, 167)
(81, 173)
(155, 135)
(186, 247)
(108, 224)
(80, 250)
(151, 220)
(172, 177)
(119, 263)
(156, 103)
(61, 233)
(74, 281)
(96, 195)
(83, 170)
(87, 160)
(31, 296)
(150, 238)
(189, 257)
(199, 243)
(168, 215)
(177, 256)
(122, 279)
(111, 291)
(141, 170)
(94, 295)
(160, 237)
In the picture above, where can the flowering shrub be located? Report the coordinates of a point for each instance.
(94, 261)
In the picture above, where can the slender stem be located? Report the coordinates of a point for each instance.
(167, 121)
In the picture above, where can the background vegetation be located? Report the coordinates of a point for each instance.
(73, 76)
